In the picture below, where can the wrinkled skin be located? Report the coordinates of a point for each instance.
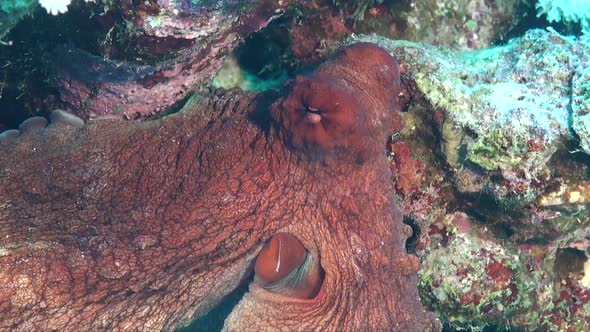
(145, 226)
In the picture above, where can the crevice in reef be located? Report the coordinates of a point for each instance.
(569, 261)
(263, 60)
(571, 162)
(412, 241)
(267, 53)
(27, 73)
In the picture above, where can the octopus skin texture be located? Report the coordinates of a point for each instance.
(112, 225)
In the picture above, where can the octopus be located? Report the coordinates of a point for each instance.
(115, 225)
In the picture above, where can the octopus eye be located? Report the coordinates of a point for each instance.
(285, 267)
(323, 116)
(313, 115)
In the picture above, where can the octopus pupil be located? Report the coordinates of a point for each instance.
(313, 110)
(313, 115)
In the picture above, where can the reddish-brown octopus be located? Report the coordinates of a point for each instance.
(114, 225)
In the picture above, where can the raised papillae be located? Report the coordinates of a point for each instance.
(112, 225)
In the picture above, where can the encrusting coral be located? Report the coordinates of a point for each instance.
(507, 107)
(492, 227)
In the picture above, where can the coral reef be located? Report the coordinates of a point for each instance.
(133, 61)
(137, 59)
(499, 207)
(11, 11)
(179, 44)
(567, 11)
(472, 279)
(580, 103)
(512, 101)
(463, 24)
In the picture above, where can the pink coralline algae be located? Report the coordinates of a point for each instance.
(179, 45)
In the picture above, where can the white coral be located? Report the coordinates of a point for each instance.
(55, 6)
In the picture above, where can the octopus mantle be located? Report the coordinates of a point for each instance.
(144, 226)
